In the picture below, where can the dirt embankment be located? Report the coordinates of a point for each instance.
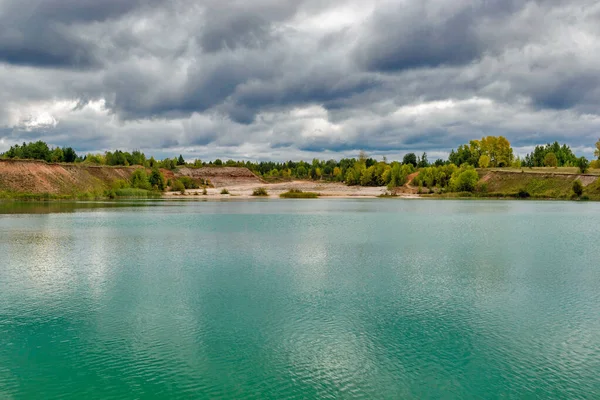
(221, 177)
(38, 177)
(25, 176)
(550, 185)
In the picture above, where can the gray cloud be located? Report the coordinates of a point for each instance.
(283, 79)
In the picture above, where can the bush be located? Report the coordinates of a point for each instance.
(178, 186)
(188, 182)
(139, 180)
(523, 194)
(583, 164)
(464, 180)
(204, 192)
(577, 188)
(298, 194)
(260, 192)
(157, 180)
(481, 187)
(224, 191)
(137, 193)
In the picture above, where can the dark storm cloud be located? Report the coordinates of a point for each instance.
(406, 38)
(285, 77)
(235, 31)
(44, 33)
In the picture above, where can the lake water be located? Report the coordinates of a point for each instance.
(375, 299)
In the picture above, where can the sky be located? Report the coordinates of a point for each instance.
(298, 79)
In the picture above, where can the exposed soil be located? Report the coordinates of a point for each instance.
(24, 176)
(324, 189)
(221, 177)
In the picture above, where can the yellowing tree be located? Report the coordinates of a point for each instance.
(484, 161)
(550, 160)
(497, 148)
(337, 172)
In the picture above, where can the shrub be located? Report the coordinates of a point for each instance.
(178, 186)
(224, 191)
(464, 180)
(134, 192)
(298, 194)
(577, 188)
(139, 180)
(583, 164)
(119, 184)
(523, 194)
(204, 192)
(157, 179)
(188, 182)
(481, 187)
(260, 192)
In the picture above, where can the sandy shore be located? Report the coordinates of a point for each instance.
(325, 190)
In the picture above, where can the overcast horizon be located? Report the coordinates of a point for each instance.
(281, 79)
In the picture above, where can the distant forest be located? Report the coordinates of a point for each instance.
(457, 173)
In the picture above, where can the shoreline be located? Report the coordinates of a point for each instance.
(324, 190)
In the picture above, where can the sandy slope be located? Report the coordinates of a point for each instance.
(325, 189)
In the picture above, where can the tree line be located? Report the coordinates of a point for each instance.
(457, 173)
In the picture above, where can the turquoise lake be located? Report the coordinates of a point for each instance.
(306, 299)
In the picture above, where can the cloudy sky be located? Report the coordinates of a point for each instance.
(291, 79)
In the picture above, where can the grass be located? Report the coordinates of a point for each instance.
(544, 170)
(136, 193)
(298, 194)
(4, 195)
(224, 191)
(260, 192)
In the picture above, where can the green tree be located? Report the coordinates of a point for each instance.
(180, 160)
(410, 158)
(464, 180)
(597, 151)
(157, 179)
(550, 160)
(57, 155)
(578, 188)
(583, 164)
(139, 179)
(70, 155)
(422, 161)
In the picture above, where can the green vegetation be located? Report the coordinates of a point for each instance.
(157, 180)
(40, 151)
(188, 182)
(443, 177)
(298, 194)
(551, 155)
(497, 148)
(578, 188)
(550, 160)
(136, 193)
(260, 192)
(224, 191)
(583, 165)
(464, 179)
(178, 186)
